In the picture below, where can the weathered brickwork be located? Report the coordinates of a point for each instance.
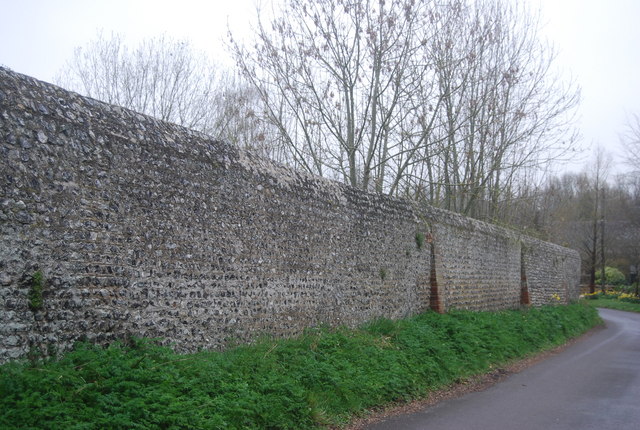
(145, 228)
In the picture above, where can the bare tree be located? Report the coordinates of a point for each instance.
(337, 77)
(237, 111)
(631, 143)
(589, 212)
(504, 111)
(623, 224)
(598, 183)
(169, 80)
(444, 101)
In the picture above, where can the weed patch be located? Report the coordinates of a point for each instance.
(323, 377)
(36, 302)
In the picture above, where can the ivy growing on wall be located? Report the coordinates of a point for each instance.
(36, 301)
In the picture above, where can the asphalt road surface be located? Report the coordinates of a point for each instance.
(593, 384)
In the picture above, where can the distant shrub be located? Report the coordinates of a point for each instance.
(612, 275)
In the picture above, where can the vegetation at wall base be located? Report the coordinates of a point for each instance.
(615, 299)
(321, 378)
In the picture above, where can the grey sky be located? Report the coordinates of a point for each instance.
(598, 43)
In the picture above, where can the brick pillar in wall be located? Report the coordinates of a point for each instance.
(436, 302)
(525, 300)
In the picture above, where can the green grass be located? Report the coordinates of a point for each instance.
(612, 302)
(323, 377)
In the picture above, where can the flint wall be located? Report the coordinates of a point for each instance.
(145, 228)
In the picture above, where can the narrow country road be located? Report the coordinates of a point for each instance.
(593, 384)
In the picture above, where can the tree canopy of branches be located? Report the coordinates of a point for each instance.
(169, 80)
(593, 212)
(631, 142)
(443, 101)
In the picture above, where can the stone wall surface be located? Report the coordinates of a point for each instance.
(551, 272)
(477, 264)
(145, 228)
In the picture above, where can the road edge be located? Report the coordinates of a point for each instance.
(458, 389)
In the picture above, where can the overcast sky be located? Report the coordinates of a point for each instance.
(598, 43)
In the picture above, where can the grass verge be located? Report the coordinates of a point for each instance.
(323, 377)
(621, 302)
